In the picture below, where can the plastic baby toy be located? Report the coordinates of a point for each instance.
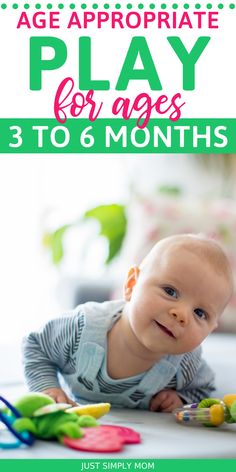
(36, 415)
(209, 412)
(46, 419)
(16, 438)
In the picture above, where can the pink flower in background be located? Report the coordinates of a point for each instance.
(171, 212)
(153, 235)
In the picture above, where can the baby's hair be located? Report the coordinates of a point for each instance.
(201, 245)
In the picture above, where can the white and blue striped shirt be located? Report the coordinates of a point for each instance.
(53, 351)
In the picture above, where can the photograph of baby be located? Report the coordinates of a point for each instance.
(118, 307)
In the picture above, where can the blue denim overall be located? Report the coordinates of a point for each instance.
(91, 357)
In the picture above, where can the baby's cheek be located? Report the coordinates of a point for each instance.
(137, 317)
(146, 302)
(194, 339)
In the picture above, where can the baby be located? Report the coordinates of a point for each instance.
(143, 351)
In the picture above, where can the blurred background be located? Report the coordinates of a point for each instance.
(71, 227)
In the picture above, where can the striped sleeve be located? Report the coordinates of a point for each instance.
(198, 379)
(52, 350)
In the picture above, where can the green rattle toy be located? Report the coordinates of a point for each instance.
(209, 412)
(46, 419)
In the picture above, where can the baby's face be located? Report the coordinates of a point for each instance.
(176, 302)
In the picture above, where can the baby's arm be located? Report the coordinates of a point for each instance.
(194, 381)
(201, 386)
(50, 351)
(165, 401)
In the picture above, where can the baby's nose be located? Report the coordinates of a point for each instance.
(180, 315)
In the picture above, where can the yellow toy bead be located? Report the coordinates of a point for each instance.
(229, 399)
(217, 415)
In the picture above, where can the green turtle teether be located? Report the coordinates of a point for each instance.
(46, 419)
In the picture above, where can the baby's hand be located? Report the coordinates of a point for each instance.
(166, 401)
(59, 395)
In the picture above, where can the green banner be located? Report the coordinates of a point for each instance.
(131, 465)
(109, 136)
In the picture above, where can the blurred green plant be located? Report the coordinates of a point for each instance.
(172, 191)
(112, 221)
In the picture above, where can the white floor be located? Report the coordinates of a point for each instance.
(161, 436)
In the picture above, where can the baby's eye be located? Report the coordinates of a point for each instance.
(171, 292)
(200, 313)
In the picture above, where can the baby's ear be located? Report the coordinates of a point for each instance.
(130, 282)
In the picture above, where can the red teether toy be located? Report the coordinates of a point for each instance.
(129, 435)
(104, 438)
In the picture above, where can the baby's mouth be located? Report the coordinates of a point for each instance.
(164, 329)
